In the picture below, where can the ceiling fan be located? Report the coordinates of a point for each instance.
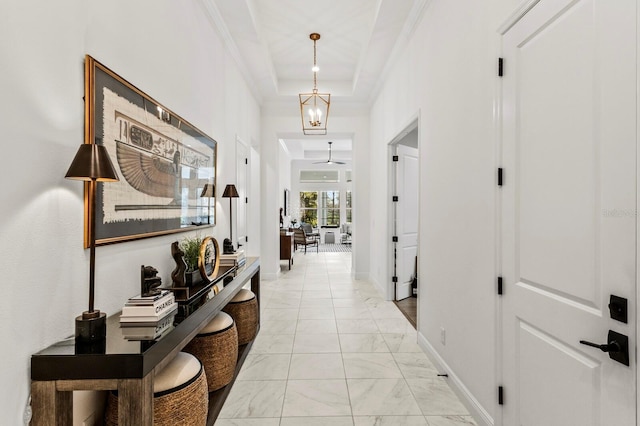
(329, 161)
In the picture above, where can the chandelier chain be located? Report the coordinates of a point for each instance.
(315, 73)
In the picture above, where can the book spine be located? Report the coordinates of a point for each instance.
(150, 320)
(151, 331)
(149, 299)
(153, 303)
(156, 310)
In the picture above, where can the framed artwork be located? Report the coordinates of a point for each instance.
(287, 208)
(163, 163)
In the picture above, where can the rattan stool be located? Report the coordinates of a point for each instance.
(216, 346)
(244, 310)
(180, 395)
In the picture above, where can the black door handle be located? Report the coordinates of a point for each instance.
(612, 346)
(617, 348)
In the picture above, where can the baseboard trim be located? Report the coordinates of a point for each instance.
(479, 413)
(361, 276)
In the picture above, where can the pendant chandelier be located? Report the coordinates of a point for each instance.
(314, 107)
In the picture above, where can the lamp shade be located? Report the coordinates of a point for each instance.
(209, 190)
(92, 162)
(230, 191)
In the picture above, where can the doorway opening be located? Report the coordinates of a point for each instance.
(404, 221)
(242, 185)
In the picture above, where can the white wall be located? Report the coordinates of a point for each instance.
(254, 207)
(446, 76)
(169, 50)
(285, 181)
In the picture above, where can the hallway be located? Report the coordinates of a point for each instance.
(331, 351)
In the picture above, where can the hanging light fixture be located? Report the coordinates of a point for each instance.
(314, 107)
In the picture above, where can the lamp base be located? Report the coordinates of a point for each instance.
(91, 326)
(93, 347)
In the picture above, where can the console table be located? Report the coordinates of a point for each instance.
(126, 366)
(286, 247)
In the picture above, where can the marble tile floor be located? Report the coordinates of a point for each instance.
(331, 351)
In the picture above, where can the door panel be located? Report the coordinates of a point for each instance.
(242, 170)
(407, 219)
(569, 153)
(544, 358)
(557, 205)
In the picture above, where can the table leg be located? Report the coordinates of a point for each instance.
(50, 407)
(135, 401)
(255, 288)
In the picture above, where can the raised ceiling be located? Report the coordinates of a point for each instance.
(269, 39)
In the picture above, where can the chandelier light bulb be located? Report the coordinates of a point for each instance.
(315, 117)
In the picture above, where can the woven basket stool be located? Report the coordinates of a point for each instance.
(244, 310)
(216, 346)
(180, 395)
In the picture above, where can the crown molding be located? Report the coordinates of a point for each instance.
(415, 16)
(218, 24)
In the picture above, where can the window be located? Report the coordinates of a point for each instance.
(315, 176)
(322, 208)
(330, 208)
(309, 208)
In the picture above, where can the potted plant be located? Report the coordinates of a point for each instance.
(191, 248)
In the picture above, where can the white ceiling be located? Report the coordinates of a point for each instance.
(269, 40)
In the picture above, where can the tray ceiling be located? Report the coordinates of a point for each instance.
(269, 40)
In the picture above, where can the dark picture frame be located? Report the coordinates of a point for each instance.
(287, 208)
(162, 160)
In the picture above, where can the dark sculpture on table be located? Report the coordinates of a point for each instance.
(149, 281)
(177, 275)
(227, 247)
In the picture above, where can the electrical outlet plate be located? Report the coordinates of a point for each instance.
(443, 336)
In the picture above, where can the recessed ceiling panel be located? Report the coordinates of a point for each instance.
(270, 40)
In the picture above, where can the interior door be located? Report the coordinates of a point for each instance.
(568, 212)
(406, 219)
(242, 178)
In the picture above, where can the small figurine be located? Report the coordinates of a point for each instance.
(177, 275)
(227, 246)
(149, 281)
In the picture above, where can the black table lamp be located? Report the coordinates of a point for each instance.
(230, 192)
(92, 164)
(208, 191)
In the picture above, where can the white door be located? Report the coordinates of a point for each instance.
(568, 212)
(242, 169)
(406, 219)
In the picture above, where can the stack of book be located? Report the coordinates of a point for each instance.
(142, 331)
(234, 259)
(147, 310)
